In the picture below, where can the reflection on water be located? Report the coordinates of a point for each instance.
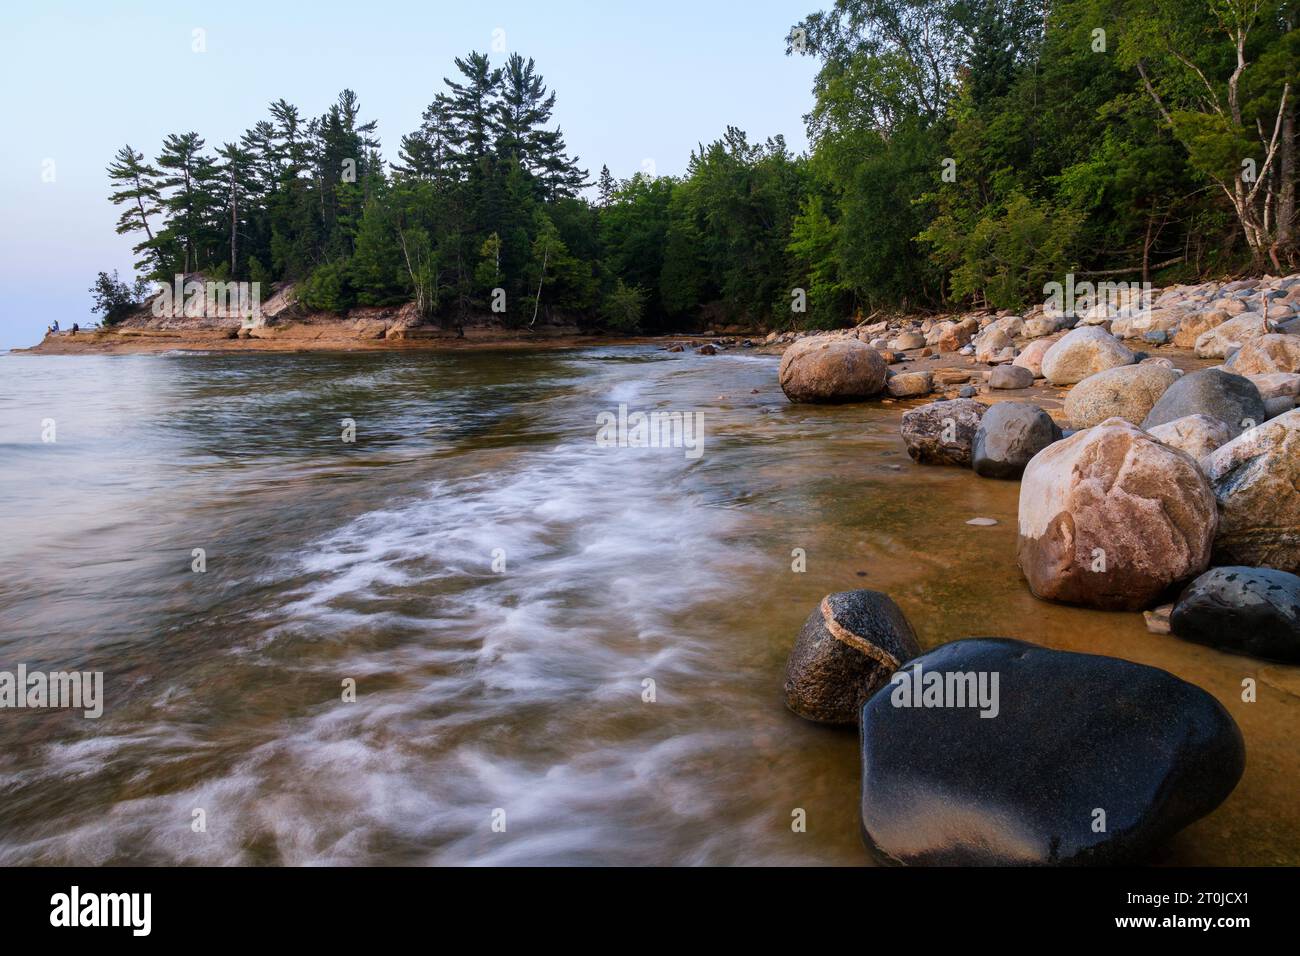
(481, 689)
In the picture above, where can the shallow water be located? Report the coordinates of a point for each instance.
(482, 691)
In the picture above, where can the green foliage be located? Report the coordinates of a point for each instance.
(1008, 255)
(115, 298)
(326, 289)
(623, 307)
(963, 151)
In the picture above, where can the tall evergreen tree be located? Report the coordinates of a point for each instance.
(191, 202)
(137, 187)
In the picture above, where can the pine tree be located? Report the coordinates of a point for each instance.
(471, 111)
(191, 204)
(605, 189)
(524, 109)
(426, 153)
(559, 174)
(238, 178)
(137, 186)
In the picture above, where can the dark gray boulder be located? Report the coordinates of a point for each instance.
(1232, 399)
(1083, 760)
(1010, 434)
(846, 651)
(1254, 611)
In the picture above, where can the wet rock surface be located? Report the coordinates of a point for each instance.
(846, 651)
(831, 370)
(943, 433)
(1074, 734)
(1254, 611)
(1009, 435)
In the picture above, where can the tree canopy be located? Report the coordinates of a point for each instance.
(962, 152)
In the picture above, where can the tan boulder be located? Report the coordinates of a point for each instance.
(990, 343)
(1197, 435)
(1267, 354)
(1233, 334)
(1032, 356)
(1196, 324)
(1256, 478)
(910, 384)
(957, 336)
(1083, 352)
(1277, 385)
(826, 369)
(1127, 391)
(1111, 518)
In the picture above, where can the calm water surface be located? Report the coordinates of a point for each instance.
(477, 691)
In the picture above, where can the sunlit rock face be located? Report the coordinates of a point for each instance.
(1110, 518)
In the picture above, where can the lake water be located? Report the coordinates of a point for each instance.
(488, 693)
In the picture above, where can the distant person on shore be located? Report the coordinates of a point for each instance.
(75, 327)
(55, 327)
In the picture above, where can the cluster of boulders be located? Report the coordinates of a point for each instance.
(1253, 323)
(1153, 489)
(1161, 480)
(1153, 476)
(712, 347)
(990, 751)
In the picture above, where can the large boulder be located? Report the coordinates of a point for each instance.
(942, 433)
(1041, 325)
(1256, 478)
(1110, 518)
(1009, 435)
(1267, 354)
(846, 651)
(1223, 339)
(1253, 611)
(1032, 356)
(831, 369)
(1127, 391)
(1196, 324)
(998, 752)
(1197, 435)
(1232, 399)
(1083, 352)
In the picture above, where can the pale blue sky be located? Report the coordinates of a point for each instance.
(635, 81)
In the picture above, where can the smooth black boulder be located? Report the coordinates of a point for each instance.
(846, 651)
(1253, 611)
(1081, 760)
(1231, 399)
(1009, 434)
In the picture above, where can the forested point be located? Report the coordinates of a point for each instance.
(963, 153)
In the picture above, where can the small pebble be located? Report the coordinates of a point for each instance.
(983, 522)
(1158, 619)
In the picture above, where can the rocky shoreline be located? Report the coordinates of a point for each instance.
(284, 325)
(1158, 454)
